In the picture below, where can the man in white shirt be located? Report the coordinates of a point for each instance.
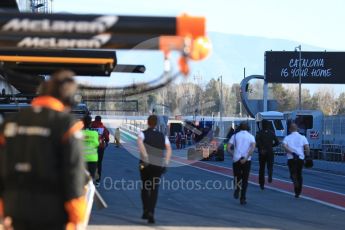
(241, 146)
(296, 145)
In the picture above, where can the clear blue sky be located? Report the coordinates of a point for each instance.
(315, 22)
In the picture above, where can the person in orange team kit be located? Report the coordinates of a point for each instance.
(42, 172)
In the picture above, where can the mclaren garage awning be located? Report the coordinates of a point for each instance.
(28, 30)
(41, 61)
(24, 83)
(9, 5)
(32, 45)
(24, 68)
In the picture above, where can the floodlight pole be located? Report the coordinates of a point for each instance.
(299, 77)
(221, 104)
(240, 104)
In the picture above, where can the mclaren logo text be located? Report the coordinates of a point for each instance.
(37, 42)
(98, 25)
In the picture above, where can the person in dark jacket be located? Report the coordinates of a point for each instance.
(265, 141)
(229, 135)
(42, 172)
(152, 144)
(103, 132)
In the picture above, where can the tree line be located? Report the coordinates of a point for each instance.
(203, 99)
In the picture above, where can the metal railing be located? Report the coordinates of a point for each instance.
(329, 152)
(334, 130)
(333, 152)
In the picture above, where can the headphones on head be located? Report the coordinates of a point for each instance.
(68, 96)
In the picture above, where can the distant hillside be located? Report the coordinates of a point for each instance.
(231, 53)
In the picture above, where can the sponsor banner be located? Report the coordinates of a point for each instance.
(314, 135)
(57, 24)
(313, 67)
(71, 41)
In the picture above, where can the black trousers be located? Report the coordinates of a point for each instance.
(150, 177)
(265, 160)
(92, 168)
(241, 176)
(183, 143)
(99, 162)
(35, 226)
(295, 168)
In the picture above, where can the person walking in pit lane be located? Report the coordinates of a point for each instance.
(152, 164)
(91, 143)
(296, 147)
(103, 144)
(241, 146)
(117, 137)
(265, 141)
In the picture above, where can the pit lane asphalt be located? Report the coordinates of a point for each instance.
(206, 208)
